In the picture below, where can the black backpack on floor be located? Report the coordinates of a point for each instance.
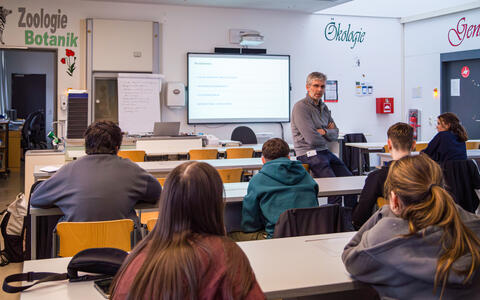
(13, 231)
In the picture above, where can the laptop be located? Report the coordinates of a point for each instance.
(166, 129)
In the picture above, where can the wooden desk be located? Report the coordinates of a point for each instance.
(287, 267)
(14, 149)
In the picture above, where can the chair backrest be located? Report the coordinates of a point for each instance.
(230, 175)
(239, 153)
(385, 149)
(244, 134)
(161, 180)
(472, 145)
(147, 216)
(308, 221)
(307, 167)
(462, 178)
(74, 237)
(196, 154)
(419, 147)
(151, 224)
(133, 155)
(381, 202)
(350, 154)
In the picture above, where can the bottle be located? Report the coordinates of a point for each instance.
(55, 139)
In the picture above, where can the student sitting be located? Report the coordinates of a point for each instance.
(281, 184)
(100, 186)
(422, 245)
(449, 143)
(187, 255)
(400, 142)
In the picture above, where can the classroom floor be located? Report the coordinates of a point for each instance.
(9, 188)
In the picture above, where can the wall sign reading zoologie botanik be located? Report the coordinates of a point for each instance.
(49, 22)
(336, 32)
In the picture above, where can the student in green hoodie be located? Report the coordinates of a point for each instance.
(280, 185)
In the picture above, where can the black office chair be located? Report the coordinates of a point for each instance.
(350, 154)
(462, 179)
(33, 132)
(307, 221)
(244, 134)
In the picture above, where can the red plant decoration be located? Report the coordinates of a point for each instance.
(70, 65)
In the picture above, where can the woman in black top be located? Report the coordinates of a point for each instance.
(449, 143)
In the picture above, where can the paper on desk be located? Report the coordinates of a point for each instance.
(50, 169)
(332, 246)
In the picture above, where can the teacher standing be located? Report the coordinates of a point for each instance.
(312, 129)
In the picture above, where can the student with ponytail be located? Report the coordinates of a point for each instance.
(422, 245)
(449, 142)
(187, 255)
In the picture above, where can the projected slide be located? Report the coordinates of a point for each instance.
(238, 88)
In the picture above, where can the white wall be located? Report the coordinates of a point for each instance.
(33, 62)
(196, 29)
(425, 40)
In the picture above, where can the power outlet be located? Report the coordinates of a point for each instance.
(63, 102)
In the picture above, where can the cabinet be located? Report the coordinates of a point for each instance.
(4, 147)
(14, 150)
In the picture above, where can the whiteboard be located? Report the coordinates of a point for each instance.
(138, 102)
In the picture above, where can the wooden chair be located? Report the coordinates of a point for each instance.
(230, 175)
(239, 153)
(151, 224)
(198, 154)
(133, 155)
(162, 181)
(419, 147)
(381, 202)
(307, 167)
(74, 237)
(473, 145)
(385, 149)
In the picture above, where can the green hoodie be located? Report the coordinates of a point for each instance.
(280, 185)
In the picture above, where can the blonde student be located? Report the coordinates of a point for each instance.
(187, 255)
(422, 245)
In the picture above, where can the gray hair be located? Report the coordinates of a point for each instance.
(316, 76)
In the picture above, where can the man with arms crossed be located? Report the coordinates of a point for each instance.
(312, 128)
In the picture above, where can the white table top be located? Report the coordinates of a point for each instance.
(74, 154)
(235, 192)
(168, 165)
(379, 145)
(471, 154)
(288, 267)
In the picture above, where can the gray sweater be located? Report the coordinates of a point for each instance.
(306, 119)
(404, 267)
(97, 187)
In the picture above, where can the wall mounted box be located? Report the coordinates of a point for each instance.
(175, 94)
(385, 105)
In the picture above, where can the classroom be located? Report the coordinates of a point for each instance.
(307, 112)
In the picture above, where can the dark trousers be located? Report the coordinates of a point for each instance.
(326, 164)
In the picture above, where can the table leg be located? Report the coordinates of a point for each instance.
(360, 162)
(33, 237)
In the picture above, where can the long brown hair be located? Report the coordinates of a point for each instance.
(418, 183)
(455, 127)
(191, 206)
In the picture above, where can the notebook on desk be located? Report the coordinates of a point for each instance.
(166, 129)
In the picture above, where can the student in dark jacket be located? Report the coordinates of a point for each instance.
(400, 142)
(281, 184)
(187, 255)
(422, 245)
(449, 142)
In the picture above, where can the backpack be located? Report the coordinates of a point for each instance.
(13, 229)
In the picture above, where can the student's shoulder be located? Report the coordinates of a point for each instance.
(378, 174)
